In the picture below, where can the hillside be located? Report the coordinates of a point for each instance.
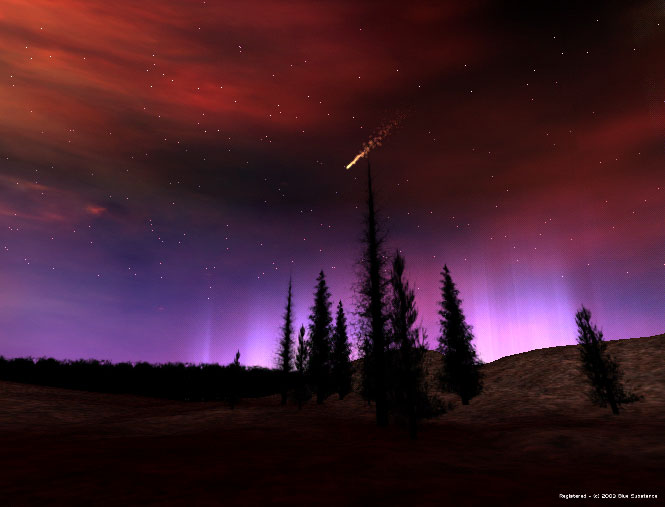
(530, 436)
(550, 382)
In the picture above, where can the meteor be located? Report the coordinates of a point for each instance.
(376, 139)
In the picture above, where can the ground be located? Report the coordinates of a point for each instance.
(529, 437)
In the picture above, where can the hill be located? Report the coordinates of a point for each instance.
(531, 436)
(550, 382)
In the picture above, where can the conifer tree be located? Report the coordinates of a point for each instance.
(302, 360)
(407, 392)
(341, 362)
(371, 309)
(602, 370)
(461, 372)
(367, 377)
(285, 354)
(319, 335)
(302, 352)
(235, 371)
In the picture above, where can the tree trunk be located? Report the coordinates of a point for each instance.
(615, 409)
(609, 391)
(413, 420)
(413, 427)
(381, 404)
(613, 404)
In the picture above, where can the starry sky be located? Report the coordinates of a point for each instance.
(166, 166)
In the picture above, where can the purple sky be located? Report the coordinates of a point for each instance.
(164, 168)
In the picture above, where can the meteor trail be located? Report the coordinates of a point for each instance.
(377, 138)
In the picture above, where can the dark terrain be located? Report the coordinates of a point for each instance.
(531, 435)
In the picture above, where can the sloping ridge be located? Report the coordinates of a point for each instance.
(550, 382)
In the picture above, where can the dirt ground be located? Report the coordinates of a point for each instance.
(527, 439)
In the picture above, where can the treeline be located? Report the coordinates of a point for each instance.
(392, 346)
(176, 381)
(390, 342)
(316, 363)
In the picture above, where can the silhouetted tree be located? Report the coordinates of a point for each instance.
(371, 308)
(319, 338)
(302, 361)
(406, 389)
(285, 356)
(364, 347)
(603, 372)
(341, 362)
(302, 353)
(235, 370)
(461, 372)
(174, 381)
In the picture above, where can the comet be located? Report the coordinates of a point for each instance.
(376, 139)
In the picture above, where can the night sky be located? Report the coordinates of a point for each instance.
(166, 166)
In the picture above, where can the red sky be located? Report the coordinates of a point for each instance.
(166, 166)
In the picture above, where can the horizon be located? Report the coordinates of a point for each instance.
(272, 367)
(165, 168)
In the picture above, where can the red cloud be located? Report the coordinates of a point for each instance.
(95, 209)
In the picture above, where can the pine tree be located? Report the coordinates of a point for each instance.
(603, 372)
(235, 371)
(367, 377)
(461, 372)
(302, 361)
(371, 294)
(285, 354)
(407, 393)
(341, 362)
(302, 353)
(319, 335)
